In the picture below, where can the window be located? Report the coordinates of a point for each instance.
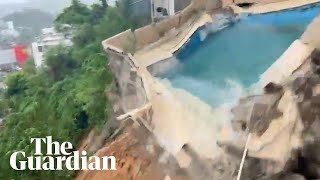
(40, 49)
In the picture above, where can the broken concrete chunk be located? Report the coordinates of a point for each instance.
(256, 112)
(315, 100)
(315, 57)
(299, 84)
(272, 88)
(316, 90)
(288, 177)
(302, 86)
(240, 119)
(312, 133)
(309, 160)
(306, 114)
(231, 148)
(261, 117)
(184, 160)
(310, 110)
(316, 69)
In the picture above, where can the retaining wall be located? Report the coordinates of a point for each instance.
(152, 33)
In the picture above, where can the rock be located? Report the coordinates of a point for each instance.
(316, 90)
(129, 83)
(184, 160)
(272, 88)
(315, 57)
(257, 122)
(312, 133)
(306, 114)
(240, 119)
(256, 112)
(299, 84)
(261, 117)
(308, 92)
(231, 149)
(288, 177)
(316, 70)
(315, 100)
(308, 161)
(302, 86)
(311, 151)
(310, 110)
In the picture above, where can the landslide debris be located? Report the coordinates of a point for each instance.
(284, 122)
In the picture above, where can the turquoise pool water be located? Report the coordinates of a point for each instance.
(230, 60)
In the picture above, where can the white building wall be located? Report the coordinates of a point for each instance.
(49, 39)
(10, 25)
(37, 55)
(168, 4)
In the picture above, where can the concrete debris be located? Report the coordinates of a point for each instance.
(315, 59)
(288, 177)
(285, 123)
(256, 112)
(271, 88)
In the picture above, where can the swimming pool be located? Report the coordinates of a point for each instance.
(218, 69)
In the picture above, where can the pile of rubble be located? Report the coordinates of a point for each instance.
(284, 123)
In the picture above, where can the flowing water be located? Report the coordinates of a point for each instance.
(218, 67)
(214, 70)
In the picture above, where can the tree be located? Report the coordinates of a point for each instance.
(59, 62)
(76, 14)
(66, 99)
(104, 4)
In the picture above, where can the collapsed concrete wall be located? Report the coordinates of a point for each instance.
(129, 83)
(118, 41)
(282, 120)
(289, 61)
(312, 31)
(282, 123)
(176, 111)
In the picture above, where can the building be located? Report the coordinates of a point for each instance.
(158, 9)
(49, 38)
(7, 58)
(8, 29)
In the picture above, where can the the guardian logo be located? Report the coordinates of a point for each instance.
(59, 157)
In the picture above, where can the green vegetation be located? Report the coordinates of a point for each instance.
(68, 97)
